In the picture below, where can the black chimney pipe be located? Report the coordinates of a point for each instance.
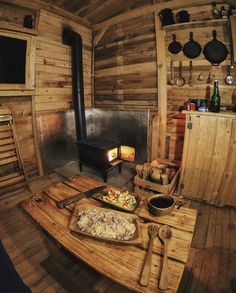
(73, 39)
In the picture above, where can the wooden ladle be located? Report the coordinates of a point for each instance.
(190, 82)
(165, 234)
(152, 231)
(172, 79)
(180, 81)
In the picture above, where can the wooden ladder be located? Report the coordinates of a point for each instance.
(12, 171)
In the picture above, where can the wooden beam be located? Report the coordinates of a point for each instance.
(174, 4)
(162, 86)
(37, 4)
(233, 35)
(98, 36)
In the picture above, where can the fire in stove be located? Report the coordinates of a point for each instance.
(127, 153)
(112, 154)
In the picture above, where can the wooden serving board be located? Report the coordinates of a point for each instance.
(121, 263)
(73, 226)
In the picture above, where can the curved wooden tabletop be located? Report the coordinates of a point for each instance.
(119, 262)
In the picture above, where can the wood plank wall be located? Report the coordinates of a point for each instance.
(53, 64)
(125, 65)
(177, 96)
(126, 71)
(53, 90)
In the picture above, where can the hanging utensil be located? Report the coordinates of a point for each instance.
(229, 78)
(152, 231)
(180, 81)
(165, 234)
(215, 51)
(200, 77)
(209, 78)
(174, 47)
(172, 79)
(190, 82)
(192, 49)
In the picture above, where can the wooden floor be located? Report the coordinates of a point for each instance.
(211, 265)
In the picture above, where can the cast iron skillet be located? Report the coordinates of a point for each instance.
(215, 51)
(174, 47)
(192, 49)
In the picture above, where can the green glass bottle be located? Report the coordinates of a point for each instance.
(215, 99)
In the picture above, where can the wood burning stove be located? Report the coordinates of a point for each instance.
(101, 155)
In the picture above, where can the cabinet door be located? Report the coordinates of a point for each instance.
(227, 190)
(204, 158)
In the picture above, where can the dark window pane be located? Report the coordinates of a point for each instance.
(12, 60)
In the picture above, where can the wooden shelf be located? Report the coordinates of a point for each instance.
(200, 86)
(225, 114)
(17, 28)
(198, 24)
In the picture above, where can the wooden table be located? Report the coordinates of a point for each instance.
(121, 263)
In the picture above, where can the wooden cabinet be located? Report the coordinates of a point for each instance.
(208, 170)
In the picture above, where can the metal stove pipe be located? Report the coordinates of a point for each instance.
(73, 39)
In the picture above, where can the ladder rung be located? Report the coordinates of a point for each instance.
(5, 118)
(7, 154)
(5, 111)
(9, 176)
(5, 134)
(8, 160)
(6, 141)
(7, 147)
(12, 181)
(5, 127)
(12, 187)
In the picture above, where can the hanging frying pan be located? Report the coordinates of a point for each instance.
(192, 49)
(174, 47)
(215, 51)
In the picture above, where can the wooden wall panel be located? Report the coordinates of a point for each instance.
(52, 89)
(53, 64)
(125, 65)
(178, 96)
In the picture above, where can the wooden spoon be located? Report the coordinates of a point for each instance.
(209, 79)
(165, 234)
(172, 80)
(152, 231)
(180, 81)
(190, 82)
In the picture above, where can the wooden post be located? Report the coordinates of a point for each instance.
(36, 139)
(233, 35)
(162, 86)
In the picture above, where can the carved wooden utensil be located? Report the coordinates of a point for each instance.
(172, 79)
(152, 231)
(180, 81)
(190, 82)
(165, 234)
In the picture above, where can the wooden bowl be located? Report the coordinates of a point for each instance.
(160, 204)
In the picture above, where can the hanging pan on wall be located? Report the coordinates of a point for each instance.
(215, 51)
(192, 49)
(174, 47)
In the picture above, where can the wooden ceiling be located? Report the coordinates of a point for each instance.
(96, 11)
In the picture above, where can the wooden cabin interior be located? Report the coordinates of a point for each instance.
(117, 93)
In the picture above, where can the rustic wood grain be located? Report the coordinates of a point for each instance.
(208, 159)
(106, 255)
